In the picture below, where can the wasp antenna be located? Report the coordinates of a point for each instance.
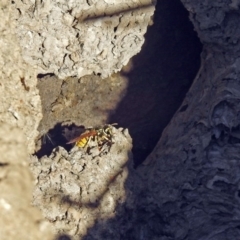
(47, 137)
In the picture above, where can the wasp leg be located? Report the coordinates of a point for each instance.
(107, 143)
(88, 141)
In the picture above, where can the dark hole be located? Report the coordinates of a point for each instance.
(3, 164)
(193, 151)
(228, 39)
(233, 140)
(41, 75)
(213, 137)
(193, 159)
(19, 11)
(55, 137)
(223, 186)
(63, 237)
(161, 76)
(183, 108)
(238, 193)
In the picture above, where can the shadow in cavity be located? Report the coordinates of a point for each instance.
(160, 77)
(56, 137)
(42, 75)
(63, 237)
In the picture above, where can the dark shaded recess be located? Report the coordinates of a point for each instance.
(54, 138)
(3, 164)
(63, 237)
(41, 75)
(226, 135)
(161, 76)
(183, 108)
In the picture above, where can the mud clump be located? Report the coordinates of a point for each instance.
(75, 189)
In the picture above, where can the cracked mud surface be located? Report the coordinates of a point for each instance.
(99, 36)
(76, 189)
(143, 97)
(188, 187)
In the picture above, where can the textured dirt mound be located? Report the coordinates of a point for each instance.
(188, 188)
(78, 38)
(76, 189)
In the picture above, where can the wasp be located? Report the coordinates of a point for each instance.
(102, 135)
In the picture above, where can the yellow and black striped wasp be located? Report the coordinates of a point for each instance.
(102, 135)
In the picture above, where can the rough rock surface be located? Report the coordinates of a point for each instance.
(76, 189)
(19, 219)
(193, 173)
(20, 102)
(189, 185)
(19, 118)
(76, 38)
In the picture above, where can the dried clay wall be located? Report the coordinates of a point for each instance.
(188, 188)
